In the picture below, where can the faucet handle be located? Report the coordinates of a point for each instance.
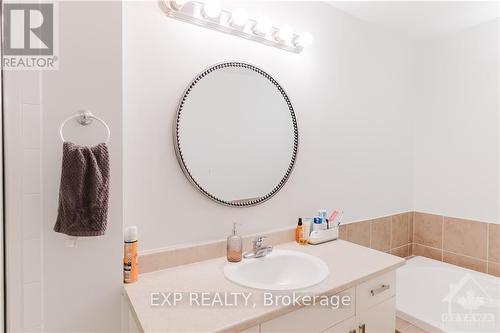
(257, 242)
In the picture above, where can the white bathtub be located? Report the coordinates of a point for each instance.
(439, 297)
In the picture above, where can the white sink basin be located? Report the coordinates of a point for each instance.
(279, 270)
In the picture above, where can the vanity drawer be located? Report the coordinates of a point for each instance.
(311, 318)
(375, 291)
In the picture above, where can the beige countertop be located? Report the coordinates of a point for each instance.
(349, 265)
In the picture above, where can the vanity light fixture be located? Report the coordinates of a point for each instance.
(210, 14)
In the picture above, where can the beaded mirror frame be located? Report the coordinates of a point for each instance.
(178, 148)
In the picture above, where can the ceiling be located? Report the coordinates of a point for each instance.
(422, 20)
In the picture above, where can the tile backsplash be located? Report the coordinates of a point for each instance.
(428, 230)
(391, 234)
(150, 261)
(466, 243)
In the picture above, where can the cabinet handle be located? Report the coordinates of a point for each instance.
(382, 288)
(362, 328)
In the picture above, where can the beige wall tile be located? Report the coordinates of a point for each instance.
(494, 242)
(400, 225)
(343, 232)
(465, 237)
(359, 233)
(403, 251)
(410, 226)
(190, 253)
(273, 237)
(381, 234)
(428, 229)
(463, 261)
(425, 251)
(180, 256)
(494, 268)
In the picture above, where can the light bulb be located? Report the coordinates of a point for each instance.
(304, 39)
(284, 34)
(262, 26)
(211, 9)
(177, 4)
(239, 18)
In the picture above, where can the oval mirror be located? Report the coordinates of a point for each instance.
(236, 135)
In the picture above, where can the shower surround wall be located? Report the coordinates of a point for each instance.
(23, 202)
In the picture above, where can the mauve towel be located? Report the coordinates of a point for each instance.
(84, 190)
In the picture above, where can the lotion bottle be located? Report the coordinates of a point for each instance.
(234, 246)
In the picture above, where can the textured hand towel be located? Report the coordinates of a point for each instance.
(84, 191)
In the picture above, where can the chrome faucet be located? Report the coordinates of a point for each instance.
(259, 250)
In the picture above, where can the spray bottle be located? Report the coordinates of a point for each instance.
(130, 272)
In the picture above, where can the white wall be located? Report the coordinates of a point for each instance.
(352, 93)
(54, 288)
(82, 285)
(457, 125)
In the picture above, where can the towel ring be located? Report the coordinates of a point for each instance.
(84, 118)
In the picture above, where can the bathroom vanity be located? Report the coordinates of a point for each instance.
(364, 277)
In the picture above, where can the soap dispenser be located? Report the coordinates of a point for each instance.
(234, 246)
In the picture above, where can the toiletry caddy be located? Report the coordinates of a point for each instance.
(323, 236)
(329, 228)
